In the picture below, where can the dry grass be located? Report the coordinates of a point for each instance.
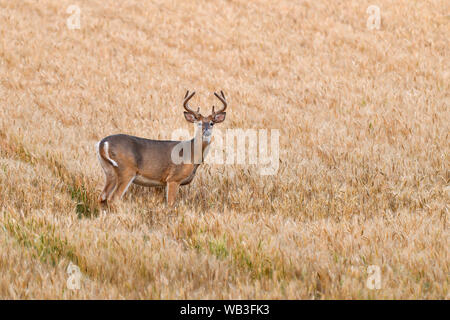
(364, 136)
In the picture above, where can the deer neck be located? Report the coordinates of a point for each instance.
(204, 146)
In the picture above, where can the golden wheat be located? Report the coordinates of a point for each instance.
(364, 149)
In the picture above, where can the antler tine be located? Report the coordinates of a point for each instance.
(222, 99)
(188, 97)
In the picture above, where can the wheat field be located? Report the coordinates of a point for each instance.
(363, 177)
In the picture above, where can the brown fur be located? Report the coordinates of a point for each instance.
(129, 159)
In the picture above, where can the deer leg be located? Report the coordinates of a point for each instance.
(110, 184)
(171, 192)
(124, 180)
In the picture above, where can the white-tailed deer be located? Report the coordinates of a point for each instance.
(127, 159)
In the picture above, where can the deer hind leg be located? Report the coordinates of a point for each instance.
(124, 180)
(111, 181)
(110, 185)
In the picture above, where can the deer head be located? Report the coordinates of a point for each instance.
(208, 122)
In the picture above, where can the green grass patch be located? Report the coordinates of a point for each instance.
(47, 246)
(218, 247)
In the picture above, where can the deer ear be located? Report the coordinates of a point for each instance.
(219, 117)
(190, 117)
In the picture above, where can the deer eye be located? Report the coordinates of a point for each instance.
(211, 123)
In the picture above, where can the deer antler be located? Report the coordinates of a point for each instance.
(188, 97)
(221, 97)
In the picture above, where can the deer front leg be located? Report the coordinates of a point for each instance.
(171, 192)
